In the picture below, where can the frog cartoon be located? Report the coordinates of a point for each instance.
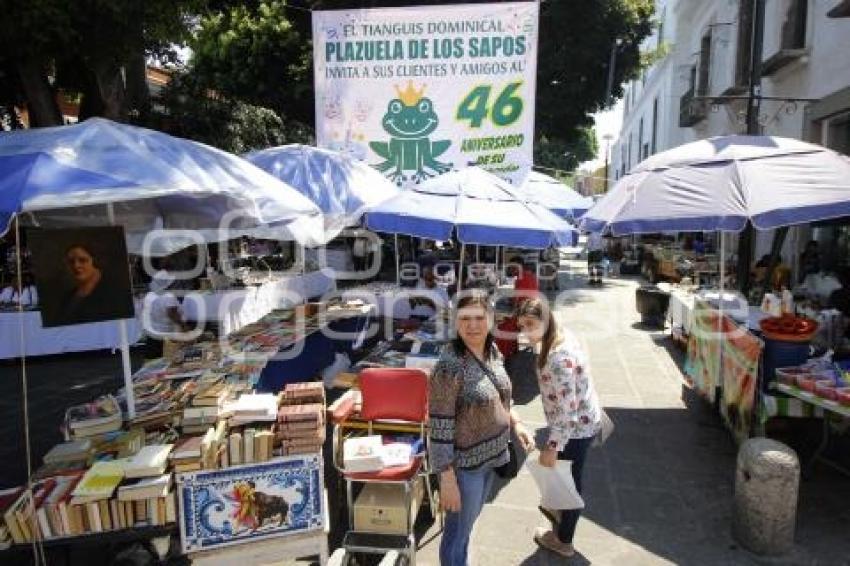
(410, 119)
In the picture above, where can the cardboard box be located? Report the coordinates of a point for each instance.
(380, 508)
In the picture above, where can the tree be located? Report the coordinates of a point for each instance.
(97, 48)
(196, 113)
(258, 56)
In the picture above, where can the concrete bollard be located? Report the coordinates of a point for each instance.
(767, 482)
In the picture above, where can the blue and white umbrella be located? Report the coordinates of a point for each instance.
(342, 187)
(483, 208)
(554, 195)
(65, 176)
(722, 183)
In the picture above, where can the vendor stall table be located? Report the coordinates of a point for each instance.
(826, 406)
(61, 339)
(233, 309)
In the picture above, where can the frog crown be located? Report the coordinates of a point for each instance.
(410, 96)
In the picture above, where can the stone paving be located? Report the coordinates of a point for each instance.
(660, 491)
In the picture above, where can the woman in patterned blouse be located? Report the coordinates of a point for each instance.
(572, 411)
(470, 423)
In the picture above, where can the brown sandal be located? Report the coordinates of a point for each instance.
(549, 540)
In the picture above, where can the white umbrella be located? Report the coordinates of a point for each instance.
(342, 187)
(722, 183)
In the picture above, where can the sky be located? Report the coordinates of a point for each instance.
(607, 122)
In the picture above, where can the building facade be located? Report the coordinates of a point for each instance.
(698, 87)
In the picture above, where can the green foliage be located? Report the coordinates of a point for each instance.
(565, 154)
(256, 55)
(196, 113)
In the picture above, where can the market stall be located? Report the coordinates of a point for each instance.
(232, 309)
(723, 184)
(40, 341)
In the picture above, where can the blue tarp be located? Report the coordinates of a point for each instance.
(66, 175)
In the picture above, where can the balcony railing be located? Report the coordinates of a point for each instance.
(692, 110)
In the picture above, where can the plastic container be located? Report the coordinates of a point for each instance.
(807, 382)
(788, 376)
(825, 389)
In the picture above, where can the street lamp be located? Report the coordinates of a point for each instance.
(607, 138)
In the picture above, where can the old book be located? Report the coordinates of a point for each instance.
(8, 497)
(188, 447)
(99, 482)
(187, 467)
(307, 392)
(140, 511)
(248, 445)
(144, 488)
(235, 448)
(21, 515)
(93, 516)
(263, 445)
(170, 508)
(310, 412)
(47, 511)
(72, 451)
(149, 461)
(105, 514)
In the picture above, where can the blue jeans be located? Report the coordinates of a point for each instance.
(474, 486)
(576, 452)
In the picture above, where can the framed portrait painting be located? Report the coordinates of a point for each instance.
(81, 274)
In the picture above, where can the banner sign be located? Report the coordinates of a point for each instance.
(419, 91)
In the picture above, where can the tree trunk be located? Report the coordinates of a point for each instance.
(41, 100)
(105, 93)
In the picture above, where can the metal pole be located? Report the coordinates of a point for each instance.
(397, 268)
(125, 347)
(745, 241)
(460, 269)
(720, 306)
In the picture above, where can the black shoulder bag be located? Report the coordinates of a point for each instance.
(509, 469)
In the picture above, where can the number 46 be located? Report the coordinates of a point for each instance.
(505, 110)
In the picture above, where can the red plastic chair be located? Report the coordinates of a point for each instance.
(391, 396)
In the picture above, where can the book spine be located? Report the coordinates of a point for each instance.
(93, 515)
(113, 514)
(235, 453)
(170, 507)
(105, 518)
(248, 451)
(140, 512)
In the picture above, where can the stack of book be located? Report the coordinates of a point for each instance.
(186, 456)
(199, 419)
(252, 408)
(90, 507)
(300, 429)
(91, 419)
(303, 393)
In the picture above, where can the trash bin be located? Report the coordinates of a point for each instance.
(652, 303)
(767, 481)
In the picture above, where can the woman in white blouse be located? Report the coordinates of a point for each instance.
(571, 406)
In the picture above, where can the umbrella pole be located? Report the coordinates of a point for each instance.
(125, 347)
(460, 269)
(397, 268)
(720, 306)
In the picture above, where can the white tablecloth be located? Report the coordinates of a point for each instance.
(680, 311)
(239, 307)
(61, 339)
